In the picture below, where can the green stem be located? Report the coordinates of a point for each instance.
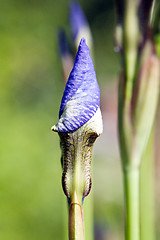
(131, 187)
(76, 223)
(147, 191)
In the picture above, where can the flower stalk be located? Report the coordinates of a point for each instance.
(80, 123)
(76, 224)
(80, 28)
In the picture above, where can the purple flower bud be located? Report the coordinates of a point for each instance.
(81, 97)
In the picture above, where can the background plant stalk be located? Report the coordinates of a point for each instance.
(138, 98)
(131, 188)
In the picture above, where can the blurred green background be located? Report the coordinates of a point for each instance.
(32, 203)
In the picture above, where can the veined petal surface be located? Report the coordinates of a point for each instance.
(81, 97)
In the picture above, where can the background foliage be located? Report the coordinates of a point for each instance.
(32, 204)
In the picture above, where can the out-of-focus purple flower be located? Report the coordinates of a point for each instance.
(65, 54)
(81, 97)
(77, 18)
(79, 24)
(62, 43)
